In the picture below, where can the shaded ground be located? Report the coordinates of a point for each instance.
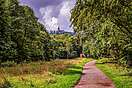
(92, 77)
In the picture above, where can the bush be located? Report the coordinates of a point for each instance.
(74, 54)
(105, 60)
(7, 64)
(6, 84)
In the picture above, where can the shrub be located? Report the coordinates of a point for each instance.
(6, 84)
(7, 64)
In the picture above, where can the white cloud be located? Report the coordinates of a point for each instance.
(48, 20)
(65, 10)
(52, 13)
(64, 16)
(54, 24)
(62, 19)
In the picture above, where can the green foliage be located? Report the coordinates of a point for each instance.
(105, 60)
(21, 35)
(106, 26)
(119, 75)
(6, 84)
(63, 46)
(24, 39)
(7, 64)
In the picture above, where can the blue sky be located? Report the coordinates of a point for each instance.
(52, 13)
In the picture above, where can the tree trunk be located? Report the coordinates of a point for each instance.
(129, 60)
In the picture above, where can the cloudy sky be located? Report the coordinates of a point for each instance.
(52, 13)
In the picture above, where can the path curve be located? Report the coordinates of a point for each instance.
(92, 77)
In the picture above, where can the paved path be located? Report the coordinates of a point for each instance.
(92, 77)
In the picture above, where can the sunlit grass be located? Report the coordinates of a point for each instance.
(120, 76)
(53, 74)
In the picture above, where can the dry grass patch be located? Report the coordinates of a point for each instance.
(56, 66)
(57, 72)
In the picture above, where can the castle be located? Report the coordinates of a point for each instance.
(60, 32)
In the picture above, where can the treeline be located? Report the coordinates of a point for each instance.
(23, 38)
(64, 46)
(106, 26)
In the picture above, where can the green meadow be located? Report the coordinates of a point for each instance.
(52, 74)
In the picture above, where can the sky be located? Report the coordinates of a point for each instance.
(52, 13)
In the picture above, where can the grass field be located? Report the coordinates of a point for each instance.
(121, 76)
(52, 74)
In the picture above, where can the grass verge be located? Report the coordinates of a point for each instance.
(121, 77)
(53, 74)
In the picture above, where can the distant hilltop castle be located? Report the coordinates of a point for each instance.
(60, 32)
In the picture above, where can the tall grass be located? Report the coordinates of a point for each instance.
(52, 74)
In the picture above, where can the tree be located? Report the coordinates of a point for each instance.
(63, 46)
(107, 24)
(6, 48)
(22, 37)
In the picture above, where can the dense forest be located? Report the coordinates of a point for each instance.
(23, 38)
(64, 46)
(102, 27)
(106, 26)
